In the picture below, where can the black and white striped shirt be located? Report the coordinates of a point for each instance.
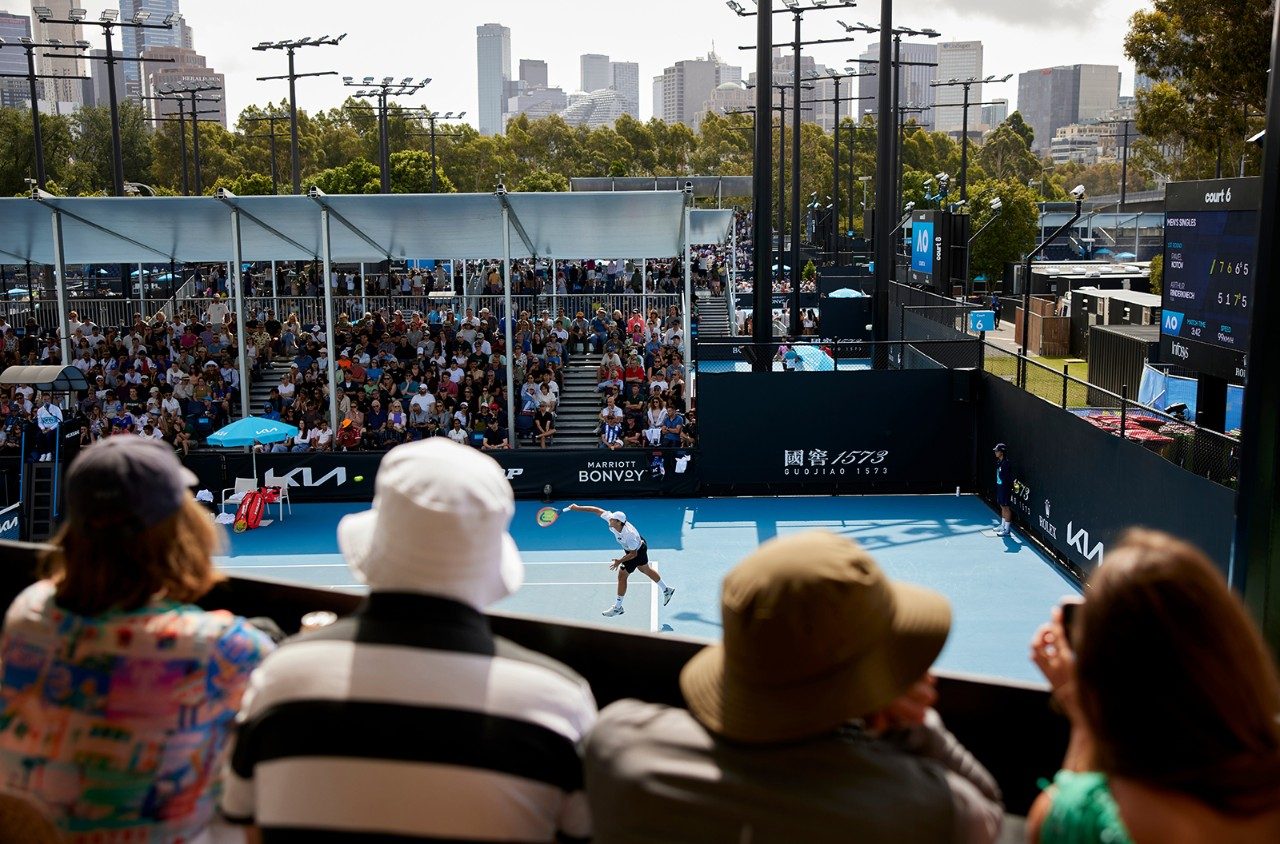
(410, 721)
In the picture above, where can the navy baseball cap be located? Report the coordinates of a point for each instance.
(1000, 447)
(126, 479)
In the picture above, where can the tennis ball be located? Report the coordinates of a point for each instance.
(359, 478)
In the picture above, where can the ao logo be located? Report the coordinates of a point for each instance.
(922, 241)
(1172, 323)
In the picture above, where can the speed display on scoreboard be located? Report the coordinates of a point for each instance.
(1211, 231)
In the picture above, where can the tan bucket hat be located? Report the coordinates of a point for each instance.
(814, 635)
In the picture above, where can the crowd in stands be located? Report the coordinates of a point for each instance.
(127, 713)
(404, 374)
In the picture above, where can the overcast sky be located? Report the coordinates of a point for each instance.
(437, 39)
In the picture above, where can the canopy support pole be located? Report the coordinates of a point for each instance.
(551, 275)
(733, 280)
(142, 292)
(60, 288)
(508, 324)
(327, 257)
(466, 285)
(688, 306)
(275, 292)
(644, 295)
(364, 297)
(238, 282)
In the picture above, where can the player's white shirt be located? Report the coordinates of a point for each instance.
(628, 537)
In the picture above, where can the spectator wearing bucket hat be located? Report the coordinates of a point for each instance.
(810, 722)
(410, 719)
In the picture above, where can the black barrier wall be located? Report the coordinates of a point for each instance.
(1078, 487)
(855, 431)
(349, 476)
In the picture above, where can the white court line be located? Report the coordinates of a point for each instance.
(571, 583)
(565, 563)
(291, 566)
(653, 607)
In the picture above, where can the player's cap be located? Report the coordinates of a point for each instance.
(437, 488)
(1000, 447)
(617, 516)
(814, 636)
(126, 482)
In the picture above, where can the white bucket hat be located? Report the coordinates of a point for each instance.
(438, 525)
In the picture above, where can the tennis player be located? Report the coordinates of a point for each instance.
(636, 555)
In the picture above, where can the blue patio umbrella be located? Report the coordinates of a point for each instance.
(846, 293)
(251, 430)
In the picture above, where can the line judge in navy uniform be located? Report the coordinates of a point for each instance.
(1004, 489)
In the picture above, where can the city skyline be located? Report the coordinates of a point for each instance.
(1014, 41)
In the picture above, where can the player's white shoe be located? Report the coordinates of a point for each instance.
(612, 611)
(666, 595)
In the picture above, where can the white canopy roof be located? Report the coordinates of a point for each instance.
(370, 228)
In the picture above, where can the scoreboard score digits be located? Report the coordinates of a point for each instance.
(1210, 250)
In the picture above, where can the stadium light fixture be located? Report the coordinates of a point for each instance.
(109, 16)
(77, 14)
(42, 13)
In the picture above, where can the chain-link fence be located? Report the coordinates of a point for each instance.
(1207, 453)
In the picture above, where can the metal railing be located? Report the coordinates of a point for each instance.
(114, 312)
(1207, 453)
(721, 355)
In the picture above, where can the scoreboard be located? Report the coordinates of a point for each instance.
(1210, 256)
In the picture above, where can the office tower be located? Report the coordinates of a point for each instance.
(538, 102)
(625, 79)
(995, 114)
(914, 77)
(14, 93)
(658, 84)
(493, 61)
(135, 41)
(688, 85)
(595, 109)
(187, 70)
(820, 93)
(595, 72)
(1052, 97)
(956, 60)
(98, 80)
(533, 72)
(60, 95)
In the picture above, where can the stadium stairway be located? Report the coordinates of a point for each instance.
(713, 317)
(260, 387)
(577, 415)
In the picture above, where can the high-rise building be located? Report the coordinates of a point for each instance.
(956, 60)
(995, 114)
(914, 77)
(595, 72)
(533, 73)
(136, 41)
(493, 63)
(1052, 97)
(688, 85)
(61, 95)
(595, 109)
(658, 85)
(98, 82)
(538, 102)
(14, 93)
(188, 69)
(625, 79)
(820, 94)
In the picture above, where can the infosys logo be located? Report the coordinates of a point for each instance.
(1178, 350)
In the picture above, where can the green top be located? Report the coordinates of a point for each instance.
(1083, 811)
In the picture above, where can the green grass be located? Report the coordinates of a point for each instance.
(1047, 384)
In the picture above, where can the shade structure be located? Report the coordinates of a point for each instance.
(250, 430)
(708, 226)
(59, 379)
(368, 228)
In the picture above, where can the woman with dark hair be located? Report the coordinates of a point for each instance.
(118, 693)
(1173, 702)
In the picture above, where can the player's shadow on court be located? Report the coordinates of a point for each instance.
(698, 617)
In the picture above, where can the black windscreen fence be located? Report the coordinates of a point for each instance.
(1076, 488)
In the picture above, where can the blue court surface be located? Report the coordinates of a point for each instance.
(1000, 589)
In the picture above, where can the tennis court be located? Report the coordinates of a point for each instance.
(1000, 589)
